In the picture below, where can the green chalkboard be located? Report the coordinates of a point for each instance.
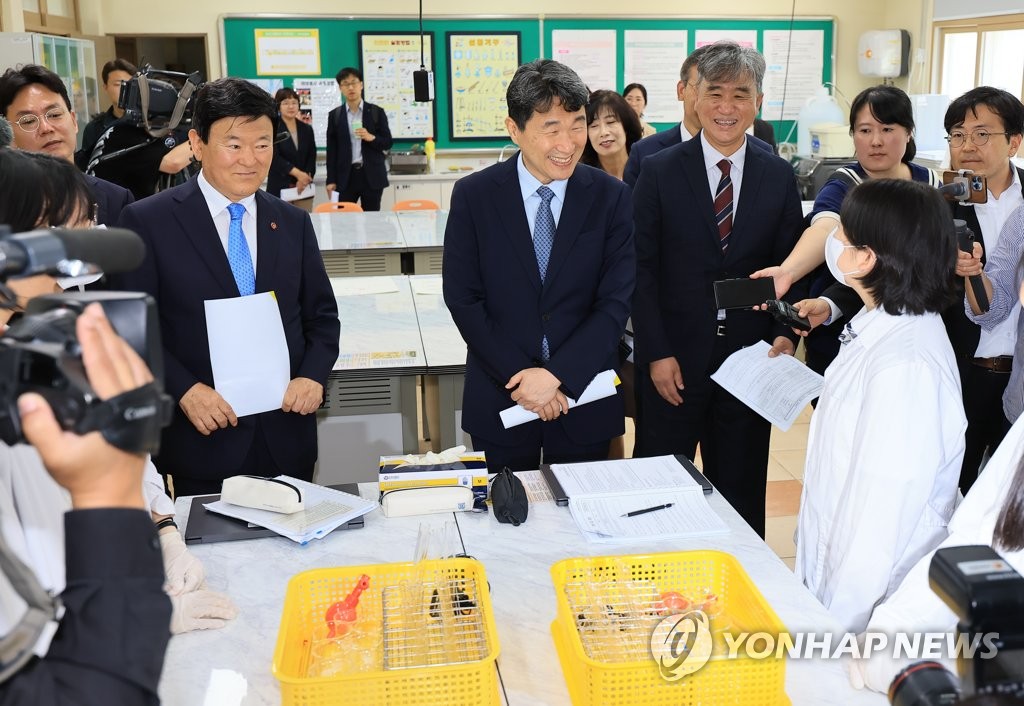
(339, 46)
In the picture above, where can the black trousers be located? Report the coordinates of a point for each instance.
(357, 190)
(733, 438)
(986, 422)
(258, 462)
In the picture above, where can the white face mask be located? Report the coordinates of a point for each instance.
(833, 249)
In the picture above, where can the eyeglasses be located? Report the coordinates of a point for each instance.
(30, 123)
(978, 137)
(350, 84)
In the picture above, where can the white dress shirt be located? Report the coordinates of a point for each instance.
(529, 184)
(354, 116)
(991, 217)
(711, 159)
(218, 204)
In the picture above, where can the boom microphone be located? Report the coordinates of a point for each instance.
(68, 252)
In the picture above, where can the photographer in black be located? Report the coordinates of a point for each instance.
(147, 149)
(114, 73)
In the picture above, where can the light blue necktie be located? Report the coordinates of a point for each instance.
(238, 253)
(543, 239)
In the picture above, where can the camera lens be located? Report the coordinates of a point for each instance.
(924, 684)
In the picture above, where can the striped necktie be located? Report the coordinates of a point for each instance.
(723, 204)
(543, 240)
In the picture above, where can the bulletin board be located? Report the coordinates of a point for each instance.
(339, 46)
(480, 67)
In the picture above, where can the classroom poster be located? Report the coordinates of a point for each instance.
(589, 52)
(287, 52)
(743, 37)
(795, 61)
(480, 67)
(653, 58)
(388, 62)
(317, 98)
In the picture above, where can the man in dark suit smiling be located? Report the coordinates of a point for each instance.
(710, 208)
(539, 268)
(219, 236)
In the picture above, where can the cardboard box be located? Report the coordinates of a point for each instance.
(469, 471)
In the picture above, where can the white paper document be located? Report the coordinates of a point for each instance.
(603, 385)
(603, 518)
(602, 493)
(326, 510)
(293, 194)
(776, 388)
(248, 352)
(537, 490)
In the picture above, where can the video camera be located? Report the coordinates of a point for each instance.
(40, 352)
(987, 596)
(158, 101)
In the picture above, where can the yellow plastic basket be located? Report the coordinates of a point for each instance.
(635, 679)
(406, 618)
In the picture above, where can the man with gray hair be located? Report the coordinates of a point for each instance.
(539, 267)
(711, 208)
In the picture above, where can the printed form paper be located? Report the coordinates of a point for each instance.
(776, 388)
(600, 517)
(248, 352)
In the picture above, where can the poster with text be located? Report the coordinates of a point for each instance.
(287, 52)
(653, 58)
(388, 62)
(480, 67)
(743, 37)
(589, 52)
(794, 61)
(317, 98)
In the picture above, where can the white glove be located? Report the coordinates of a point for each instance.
(183, 571)
(200, 610)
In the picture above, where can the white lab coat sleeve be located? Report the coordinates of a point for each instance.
(914, 607)
(153, 492)
(910, 424)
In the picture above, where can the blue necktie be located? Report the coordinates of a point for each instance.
(238, 253)
(543, 239)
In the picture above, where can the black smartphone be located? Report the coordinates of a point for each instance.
(743, 293)
(785, 313)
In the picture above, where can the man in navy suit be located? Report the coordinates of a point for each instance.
(357, 137)
(708, 209)
(189, 231)
(36, 102)
(539, 267)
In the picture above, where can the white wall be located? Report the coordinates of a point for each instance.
(191, 16)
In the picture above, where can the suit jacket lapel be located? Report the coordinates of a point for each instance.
(750, 185)
(578, 199)
(697, 176)
(267, 241)
(196, 223)
(510, 211)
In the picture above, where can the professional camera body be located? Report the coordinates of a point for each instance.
(987, 596)
(40, 352)
(159, 101)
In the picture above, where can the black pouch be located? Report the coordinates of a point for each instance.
(508, 498)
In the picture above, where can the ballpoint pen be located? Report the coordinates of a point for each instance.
(634, 513)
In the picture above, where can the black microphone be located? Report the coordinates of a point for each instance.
(965, 241)
(52, 250)
(956, 190)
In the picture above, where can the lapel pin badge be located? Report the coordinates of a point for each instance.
(273, 225)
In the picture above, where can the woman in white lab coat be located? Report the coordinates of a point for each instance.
(887, 438)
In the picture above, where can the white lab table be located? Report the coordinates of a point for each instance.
(357, 243)
(232, 666)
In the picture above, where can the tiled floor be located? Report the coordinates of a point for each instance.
(785, 483)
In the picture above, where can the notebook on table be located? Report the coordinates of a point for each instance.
(562, 496)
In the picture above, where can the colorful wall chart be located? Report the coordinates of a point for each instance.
(480, 67)
(388, 62)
